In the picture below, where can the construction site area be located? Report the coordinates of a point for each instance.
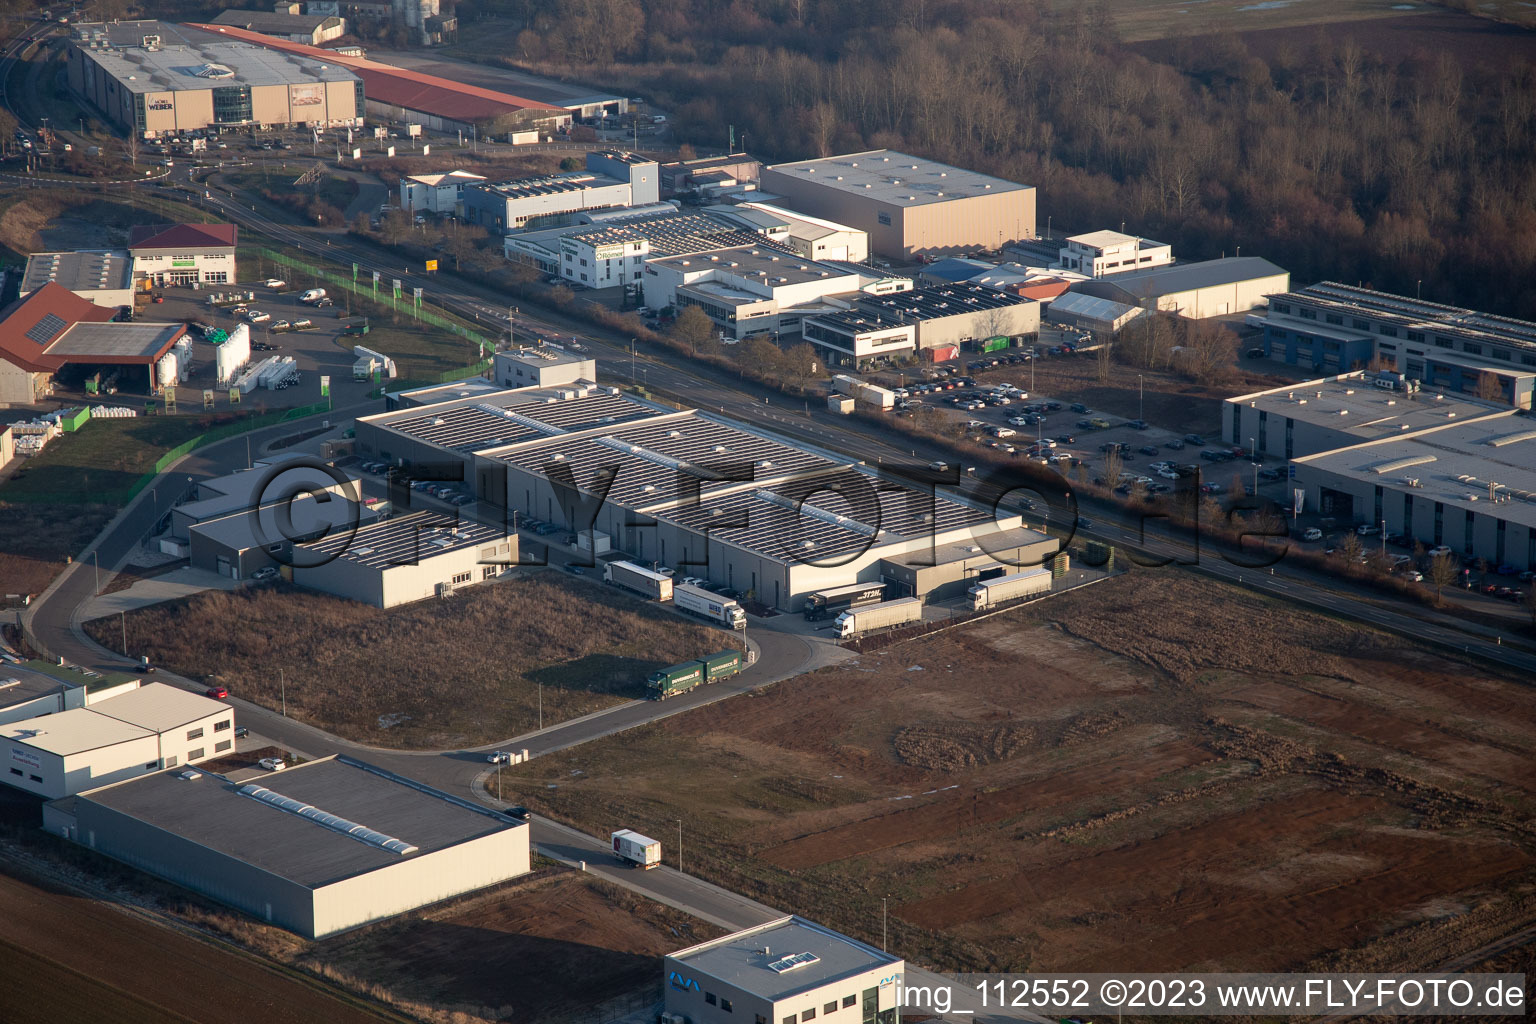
(1157, 773)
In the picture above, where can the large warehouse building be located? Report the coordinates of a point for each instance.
(711, 498)
(1297, 420)
(935, 321)
(399, 94)
(319, 848)
(612, 178)
(907, 205)
(1470, 486)
(1337, 327)
(1194, 290)
(103, 277)
(153, 78)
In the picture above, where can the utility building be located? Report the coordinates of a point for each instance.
(319, 848)
(907, 205)
(783, 971)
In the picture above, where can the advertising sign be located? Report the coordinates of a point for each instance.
(307, 95)
(26, 757)
(431, 265)
(325, 386)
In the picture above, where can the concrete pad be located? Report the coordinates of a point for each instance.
(170, 587)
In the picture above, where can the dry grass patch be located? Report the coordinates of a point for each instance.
(434, 674)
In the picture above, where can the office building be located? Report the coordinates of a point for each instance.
(612, 179)
(317, 849)
(747, 290)
(907, 205)
(1336, 327)
(184, 254)
(942, 319)
(542, 367)
(409, 557)
(705, 171)
(787, 971)
(1101, 253)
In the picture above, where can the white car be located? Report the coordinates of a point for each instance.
(1047, 442)
(272, 764)
(1312, 533)
(1443, 551)
(499, 757)
(1003, 431)
(667, 572)
(1167, 474)
(274, 283)
(256, 316)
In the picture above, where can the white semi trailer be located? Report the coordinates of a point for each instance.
(991, 593)
(639, 579)
(879, 616)
(709, 605)
(633, 848)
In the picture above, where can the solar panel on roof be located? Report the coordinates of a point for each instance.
(45, 329)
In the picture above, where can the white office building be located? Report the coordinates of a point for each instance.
(138, 731)
(611, 179)
(1099, 253)
(407, 558)
(542, 368)
(436, 193)
(604, 257)
(747, 290)
(787, 971)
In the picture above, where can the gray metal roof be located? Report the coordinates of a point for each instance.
(79, 271)
(937, 302)
(497, 421)
(896, 178)
(738, 959)
(403, 540)
(178, 64)
(159, 707)
(215, 814)
(1182, 277)
(1415, 313)
(1354, 405)
(1486, 466)
(765, 265)
(143, 341)
(1091, 307)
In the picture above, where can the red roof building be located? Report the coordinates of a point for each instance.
(184, 254)
(439, 103)
(182, 236)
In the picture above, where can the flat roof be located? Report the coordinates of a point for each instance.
(405, 540)
(1091, 306)
(159, 707)
(262, 484)
(738, 959)
(1354, 404)
(306, 516)
(1399, 309)
(433, 393)
(19, 684)
(539, 355)
(766, 265)
(1473, 465)
(79, 271)
(495, 421)
(73, 732)
(549, 184)
(273, 23)
(38, 677)
(224, 817)
(1110, 240)
(211, 64)
(897, 179)
(938, 301)
(109, 342)
(452, 177)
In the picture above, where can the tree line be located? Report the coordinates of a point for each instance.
(1411, 175)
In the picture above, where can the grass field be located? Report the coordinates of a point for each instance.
(339, 192)
(434, 674)
(1158, 19)
(421, 351)
(1156, 773)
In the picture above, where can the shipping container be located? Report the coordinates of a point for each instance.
(879, 616)
(944, 353)
(670, 682)
(996, 344)
(642, 581)
(723, 665)
(840, 404)
(991, 593)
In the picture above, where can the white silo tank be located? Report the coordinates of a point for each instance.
(165, 370)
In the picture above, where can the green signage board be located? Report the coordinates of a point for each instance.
(994, 344)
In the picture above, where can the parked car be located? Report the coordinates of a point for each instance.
(265, 573)
(1443, 551)
(1367, 530)
(1175, 444)
(216, 692)
(1312, 533)
(256, 316)
(1194, 439)
(273, 764)
(274, 283)
(241, 732)
(1078, 407)
(1148, 449)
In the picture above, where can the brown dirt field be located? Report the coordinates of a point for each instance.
(146, 972)
(35, 540)
(1474, 41)
(1157, 773)
(433, 674)
(533, 951)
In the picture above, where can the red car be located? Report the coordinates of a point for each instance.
(217, 692)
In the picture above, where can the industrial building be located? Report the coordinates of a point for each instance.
(935, 321)
(154, 78)
(810, 237)
(436, 193)
(52, 329)
(313, 29)
(788, 970)
(1194, 290)
(33, 689)
(102, 276)
(708, 497)
(1297, 420)
(612, 179)
(139, 730)
(1102, 316)
(270, 481)
(707, 171)
(747, 290)
(406, 558)
(907, 205)
(398, 94)
(319, 848)
(184, 254)
(1336, 327)
(1467, 485)
(952, 270)
(1101, 253)
(665, 231)
(542, 367)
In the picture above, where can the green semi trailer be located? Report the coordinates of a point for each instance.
(681, 678)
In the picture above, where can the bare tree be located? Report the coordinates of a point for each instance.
(1349, 550)
(1489, 387)
(1442, 573)
(1103, 363)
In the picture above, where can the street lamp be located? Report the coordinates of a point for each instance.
(1253, 452)
(882, 923)
(1141, 398)
(679, 845)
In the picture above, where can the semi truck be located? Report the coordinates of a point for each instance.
(993, 592)
(687, 675)
(708, 605)
(641, 580)
(879, 616)
(633, 848)
(824, 604)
